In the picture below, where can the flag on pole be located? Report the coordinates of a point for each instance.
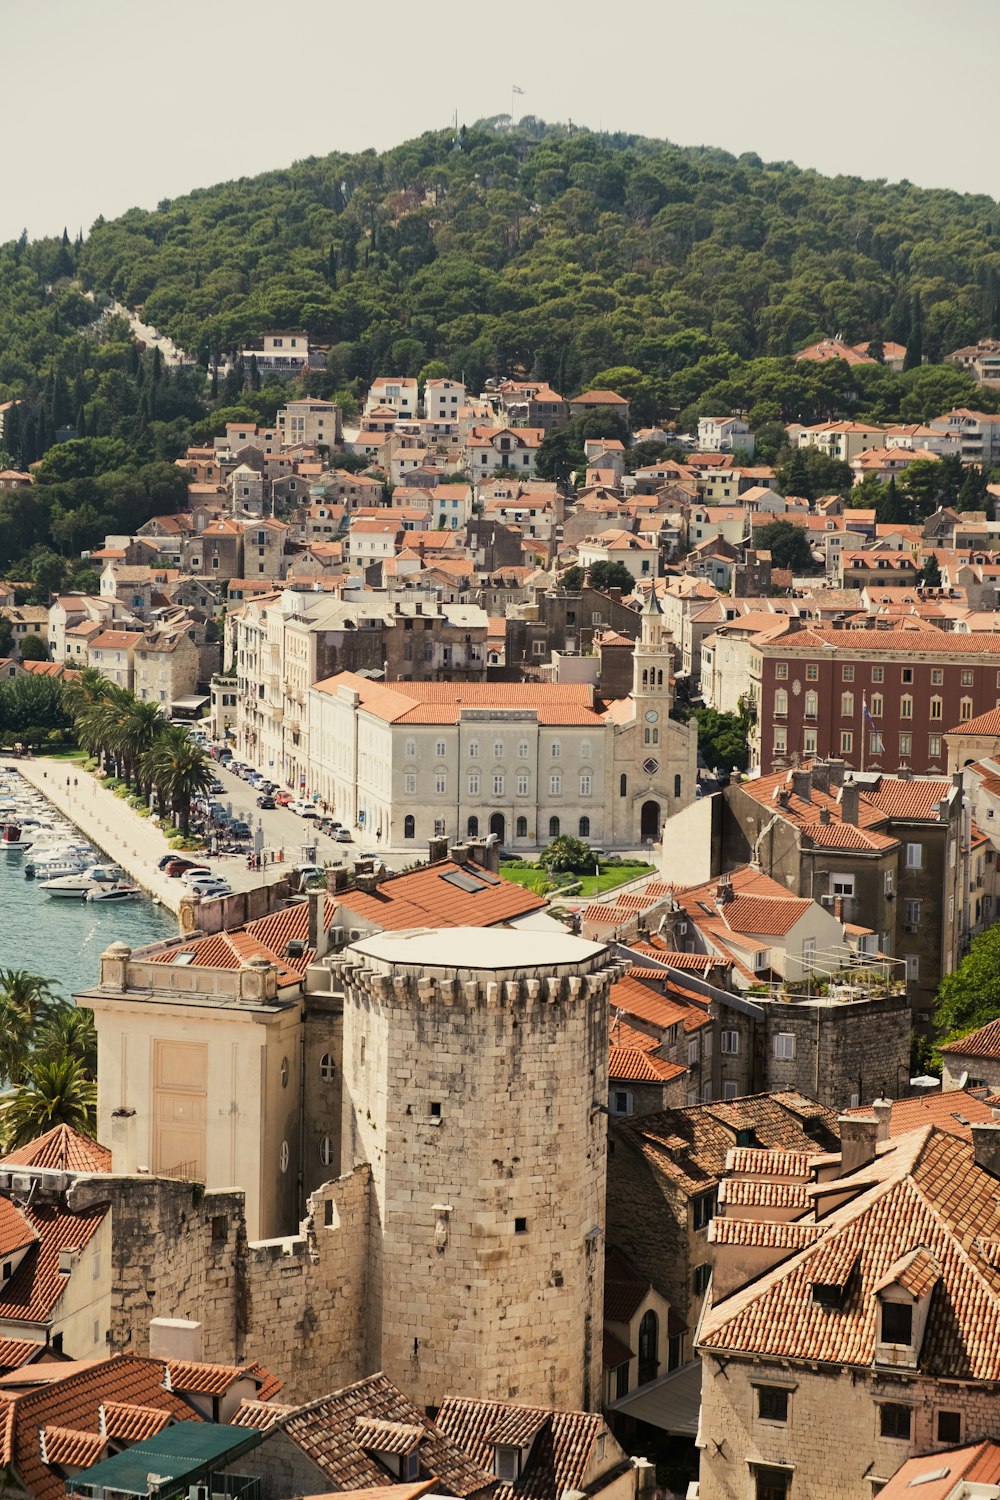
(515, 90)
(877, 746)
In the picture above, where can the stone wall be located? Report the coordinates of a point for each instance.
(845, 1054)
(831, 1439)
(299, 1304)
(473, 1100)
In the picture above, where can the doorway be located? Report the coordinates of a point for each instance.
(498, 825)
(649, 827)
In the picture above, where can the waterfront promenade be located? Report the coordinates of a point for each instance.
(135, 843)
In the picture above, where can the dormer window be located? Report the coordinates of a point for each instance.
(897, 1323)
(507, 1464)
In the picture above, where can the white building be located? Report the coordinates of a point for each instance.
(407, 761)
(640, 556)
(313, 424)
(443, 400)
(724, 435)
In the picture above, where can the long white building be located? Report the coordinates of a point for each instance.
(407, 761)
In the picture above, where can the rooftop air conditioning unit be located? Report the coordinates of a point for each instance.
(337, 936)
(355, 934)
(20, 1184)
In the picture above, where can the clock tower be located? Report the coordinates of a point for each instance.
(656, 758)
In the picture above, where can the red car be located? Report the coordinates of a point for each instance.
(282, 798)
(178, 867)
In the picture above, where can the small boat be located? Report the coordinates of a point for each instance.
(94, 877)
(54, 866)
(117, 892)
(10, 834)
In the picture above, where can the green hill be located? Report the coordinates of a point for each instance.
(556, 254)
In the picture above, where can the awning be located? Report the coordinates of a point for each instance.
(176, 1457)
(195, 700)
(672, 1402)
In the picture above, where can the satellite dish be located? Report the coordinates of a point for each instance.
(964, 1079)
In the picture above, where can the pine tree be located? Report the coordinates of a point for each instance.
(254, 374)
(81, 421)
(972, 495)
(930, 573)
(915, 344)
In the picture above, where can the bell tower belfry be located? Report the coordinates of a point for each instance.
(652, 663)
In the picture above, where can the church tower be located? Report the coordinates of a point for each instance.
(652, 663)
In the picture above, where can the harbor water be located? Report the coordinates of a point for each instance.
(63, 940)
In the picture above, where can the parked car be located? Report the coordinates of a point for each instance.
(266, 801)
(344, 836)
(212, 888)
(196, 873)
(283, 799)
(309, 811)
(215, 786)
(178, 866)
(240, 829)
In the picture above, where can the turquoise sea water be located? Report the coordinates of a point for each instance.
(63, 940)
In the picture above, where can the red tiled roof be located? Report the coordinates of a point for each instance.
(633, 1065)
(923, 1192)
(982, 1043)
(34, 1290)
(128, 1423)
(987, 723)
(954, 1110)
(63, 1149)
(68, 1446)
(207, 1379)
(561, 1453)
(937, 1476)
(15, 1229)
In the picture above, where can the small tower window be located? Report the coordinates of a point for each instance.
(520, 1226)
(327, 1069)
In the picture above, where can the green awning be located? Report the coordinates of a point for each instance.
(176, 1457)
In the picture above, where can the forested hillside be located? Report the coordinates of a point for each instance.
(556, 254)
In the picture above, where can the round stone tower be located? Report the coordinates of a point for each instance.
(475, 1068)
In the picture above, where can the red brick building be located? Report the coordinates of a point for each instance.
(812, 688)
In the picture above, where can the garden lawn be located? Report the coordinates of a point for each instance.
(533, 878)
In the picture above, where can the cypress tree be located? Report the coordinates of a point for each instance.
(915, 345)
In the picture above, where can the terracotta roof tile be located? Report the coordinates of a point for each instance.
(37, 1285)
(560, 1456)
(634, 1065)
(67, 1446)
(768, 1234)
(128, 1423)
(63, 1149)
(982, 1043)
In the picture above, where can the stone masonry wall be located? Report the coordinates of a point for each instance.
(831, 1438)
(299, 1304)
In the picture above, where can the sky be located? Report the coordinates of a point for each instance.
(111, 104)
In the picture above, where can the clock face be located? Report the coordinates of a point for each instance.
(651, 716)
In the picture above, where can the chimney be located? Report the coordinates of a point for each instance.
(824, 815)
(882, 1110)
(724, 890)
(821, 775)
(986, 1145)
(486, 854)
(849, 798)
(338, 878)
(366, 875)
(318, 935)
(437, 848)
(459, 853)
(783, 796)
(859, 1135)
(802, 784)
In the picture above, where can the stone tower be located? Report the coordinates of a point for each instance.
(475, 1063)
(652, 661)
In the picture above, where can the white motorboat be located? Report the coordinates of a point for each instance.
(94, 877)
(54, 866)
(117, 892)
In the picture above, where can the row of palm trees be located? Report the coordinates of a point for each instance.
(132, 739)
(48, 1061)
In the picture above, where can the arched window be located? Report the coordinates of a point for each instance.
(677, 786)
(584, 749)
(473, 827)
(659, 679)
(585, 828)
(623, 786)
(936, 706)
(409, 826)
(875, 707)
(327, 1067)
(965, 710)
(649, 1354)
(781, 701)
(906, 707)
(812, 704)
(521, 828)
(326, 1151)
(645, 678)
(553, 828)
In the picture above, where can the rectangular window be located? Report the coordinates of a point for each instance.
(555, 750)
(440, 749)
(784, 1046)
(772, 1403)
(780, 741)
(474, 784)
(912, 968)
(897, 1323)
(906, 674)
(522, 785)
(914, 856)
(812, 672)
(841, 885)
(781, 671)
(949, 1427)
(847, 674)
(809, 742)
(894, 1420)
(933, 745)
(906, 744)
(410, 783)
(913, 913)
(730, 1042)
(937, 676)
(498, 784)
(703, 1209)
(700, 1278)
(966, 679)
(555, 785)
(889, 882)
(878, 674)
(846, 741)
(440, 783)
(771, 1484)
(692, 1054)
(585, 785)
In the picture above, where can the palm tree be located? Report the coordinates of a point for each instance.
(66, 1031)
(89, 687)
(56, 1091)
(178, 768)
(23, 996)
(140, 726)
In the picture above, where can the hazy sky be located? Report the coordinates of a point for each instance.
(113, 103)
